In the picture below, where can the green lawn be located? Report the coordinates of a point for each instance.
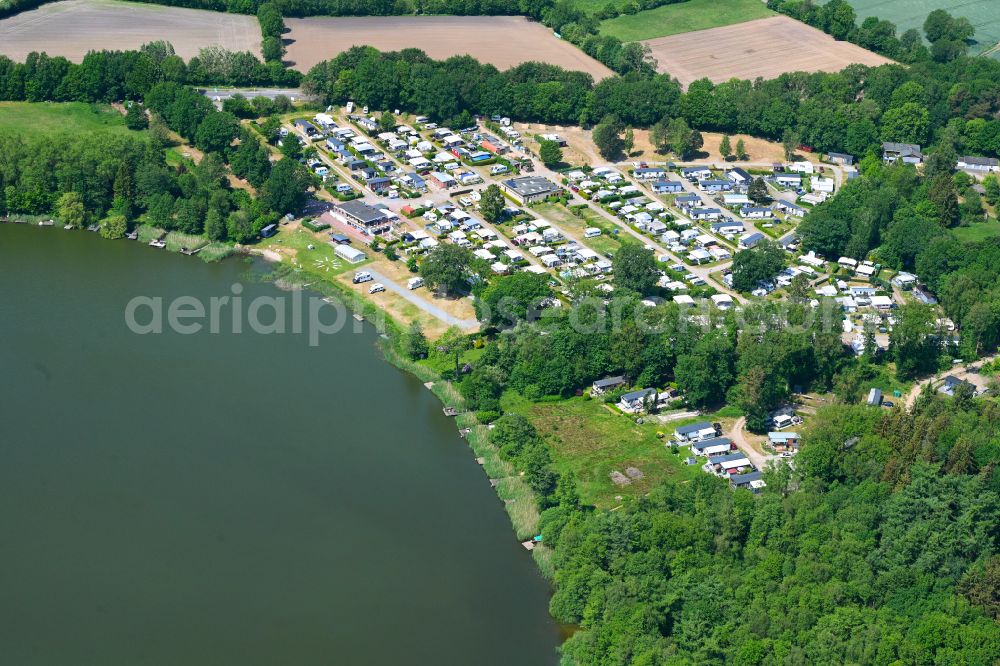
(683, 17)
(592, 440)
(558, 214)
(51, 117)
(321, 261)
(978, 231)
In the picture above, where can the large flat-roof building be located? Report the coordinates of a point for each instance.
(529, 189)
(361, 216)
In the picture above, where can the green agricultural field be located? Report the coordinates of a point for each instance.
(684, 17)
(906, 14)
(59, 117)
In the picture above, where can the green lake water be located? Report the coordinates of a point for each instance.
(225, 499)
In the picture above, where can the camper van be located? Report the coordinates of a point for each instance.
(362, 276)
(350, 107)
(415, 283)
(498, 169)
(591, 232)
(376, 288)
(782, 421)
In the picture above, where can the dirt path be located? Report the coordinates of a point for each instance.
(961, 371)
(423, 304)
(759, 459)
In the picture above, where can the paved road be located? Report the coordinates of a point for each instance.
(422, 303)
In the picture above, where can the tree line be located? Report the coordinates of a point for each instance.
(272, 27)
(850, 111)
(948, 36)
(113, 76)
(299, 8)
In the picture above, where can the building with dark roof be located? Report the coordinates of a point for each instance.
(529, 189)
(361, 216)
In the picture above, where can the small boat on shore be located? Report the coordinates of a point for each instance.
(158, 243)
(358, 317)
(133, 235)
(67, 227)
(47, 223)
(94, 227)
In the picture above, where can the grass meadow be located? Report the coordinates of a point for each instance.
(683, 17)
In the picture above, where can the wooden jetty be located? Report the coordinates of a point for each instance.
(450, 411)
(190, 253)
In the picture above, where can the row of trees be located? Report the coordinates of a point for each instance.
(370, 7)
(272, 27)
(114, 76)
(850, 111)
(948, 36)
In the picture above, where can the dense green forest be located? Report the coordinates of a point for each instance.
(880, 548)
(126, 180)
(116, 180)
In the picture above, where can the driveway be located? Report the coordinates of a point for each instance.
(758, 458)
(423, 304)
(960, 371)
